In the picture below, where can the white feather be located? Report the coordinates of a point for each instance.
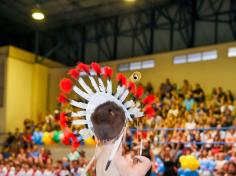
(78, 104)
(85, 133)
(136, 112)
(129, 104)
(79, 122)
(78, 114)
(94, 84)
(109, 86)
(124, 95)
(139, 114)
(119, 91)
(81, 93)
(101, 85)
(85, 86)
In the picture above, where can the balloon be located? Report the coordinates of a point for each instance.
(160, 166)
(184, 165)
(56, 136)
(37, 137)
(47, 139)
(181, 159)
(90, 141)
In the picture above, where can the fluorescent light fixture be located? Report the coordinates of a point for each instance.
(209, 55)
(196, 57)
(129, 0)
(37, 15)
(135, 66)
(180, 59)
(232, 52)
(148, 64)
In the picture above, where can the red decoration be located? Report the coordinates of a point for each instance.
(66, 85)
(149, 99)
(83, 67)
(66, 139)
(132, 87)
(62, 99)
(96, 68)
(63, 120)
(121, 79)
(149, 111)
(139, 92)
(108, 72)
(75, 143)
(74, 73)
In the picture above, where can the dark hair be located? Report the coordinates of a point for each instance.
(108, 120)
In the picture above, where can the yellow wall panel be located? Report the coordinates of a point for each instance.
(40, 92)
(19, 93)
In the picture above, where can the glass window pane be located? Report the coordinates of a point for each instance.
(196, 57)
(180, 59)
(209, 55)
(148, 64)
(123, 67)
(135, 66)
(232, 52)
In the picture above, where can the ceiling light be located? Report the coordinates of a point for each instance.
(38, 15)
(129, 0)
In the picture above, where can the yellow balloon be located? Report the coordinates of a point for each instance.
(184, 165)
(47, 139)
(182, 159)
(90, 141)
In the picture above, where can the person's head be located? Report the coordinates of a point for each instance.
(108, 121)
(198, 86)
(232, 168)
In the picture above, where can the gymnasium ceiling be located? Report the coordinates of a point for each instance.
(81, 30)
(61, 13)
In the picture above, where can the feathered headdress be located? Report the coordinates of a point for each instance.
(99, 93)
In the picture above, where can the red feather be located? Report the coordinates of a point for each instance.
(63, 120)
(66, 85)
(121, 79)
(149, 99)
(66, 139)
(75, 142)
(139, 92)
(108, 72)
(96, 68)
(83, 67)
(149, 111)
(132, 87)
(74, 73)
(62, 99)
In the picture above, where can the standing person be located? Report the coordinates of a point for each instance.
(105, 115)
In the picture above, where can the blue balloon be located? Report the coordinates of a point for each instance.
(187, 172)
(194, 173)
(180, 171)
(37, 138)
(161, 167)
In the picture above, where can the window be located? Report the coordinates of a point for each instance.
(180, 59)
(232, 52)
(1, 82)
(135, 66)
(209, 55)
(197, 57)
(194, 57)
(123, 67)
(148, 64)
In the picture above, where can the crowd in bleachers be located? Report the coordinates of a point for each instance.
(187, 121)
